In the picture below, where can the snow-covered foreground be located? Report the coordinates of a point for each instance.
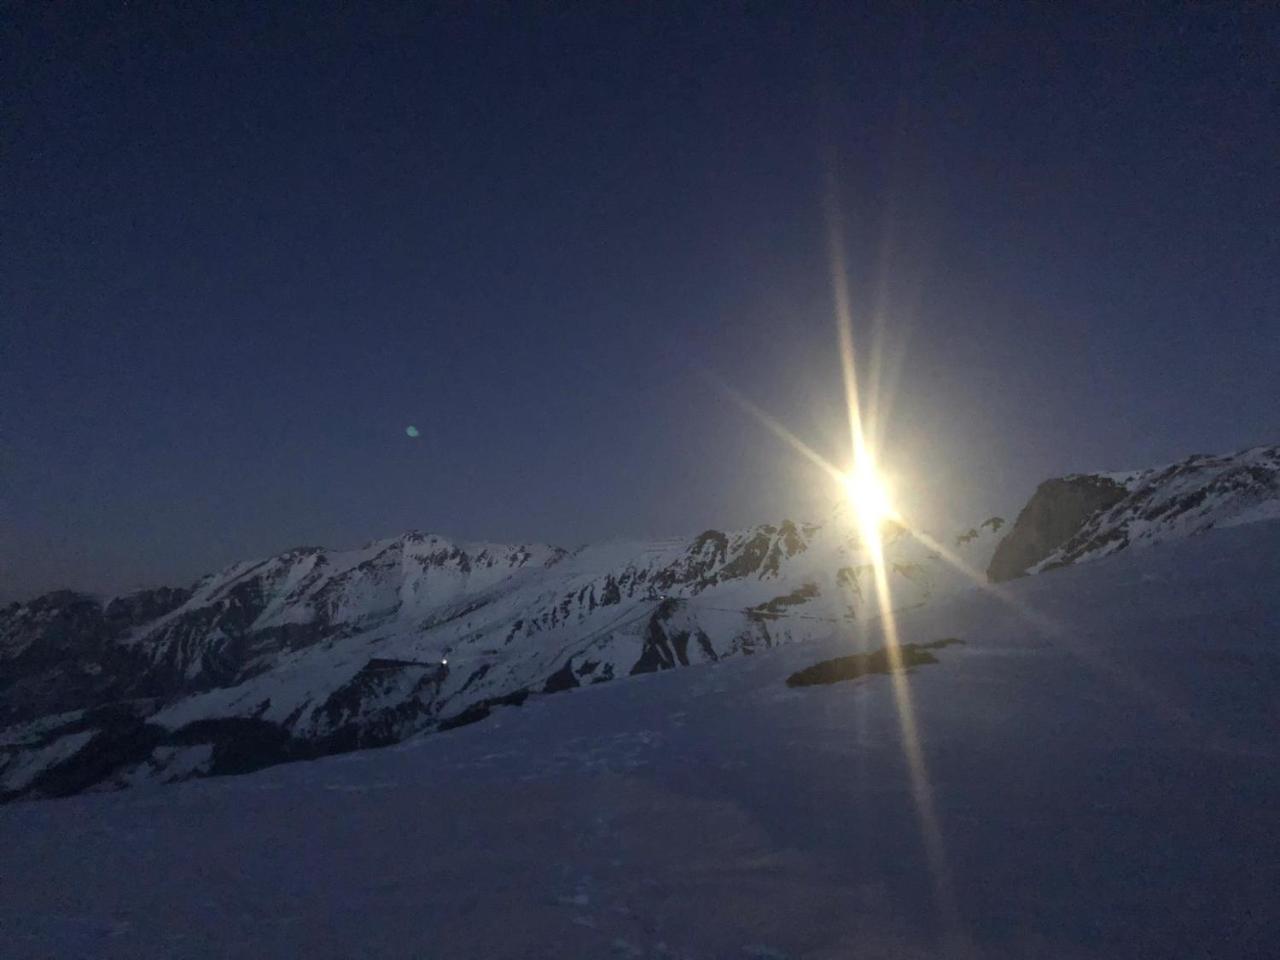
(1104, 781)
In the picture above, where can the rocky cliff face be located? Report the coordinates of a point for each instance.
(1055, 513)
(1087, 516)
(316, 651)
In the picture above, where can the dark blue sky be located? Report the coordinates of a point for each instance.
(245, 247)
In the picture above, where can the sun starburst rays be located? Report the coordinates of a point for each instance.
(864, 488)
(866, 491)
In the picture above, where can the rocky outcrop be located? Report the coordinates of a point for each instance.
(1179, 500)
(1088, 516)
(1055, 512)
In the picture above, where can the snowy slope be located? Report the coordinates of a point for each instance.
(316, 651)
(1093, 772)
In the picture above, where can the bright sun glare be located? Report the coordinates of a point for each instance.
(866, 491)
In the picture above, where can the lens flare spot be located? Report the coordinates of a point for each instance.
(412, 431)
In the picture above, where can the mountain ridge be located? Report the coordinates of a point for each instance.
(316, 651)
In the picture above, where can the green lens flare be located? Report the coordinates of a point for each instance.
(412, 431)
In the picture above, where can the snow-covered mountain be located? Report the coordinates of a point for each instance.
(1099, 780)
(1087, 516)
(315, 651)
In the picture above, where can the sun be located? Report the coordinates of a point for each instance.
(868, 494)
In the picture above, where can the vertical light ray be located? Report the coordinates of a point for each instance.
(844, 314)
(867, 418)
(917, 769)
(869, 523)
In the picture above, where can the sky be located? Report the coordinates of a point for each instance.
(244, 247)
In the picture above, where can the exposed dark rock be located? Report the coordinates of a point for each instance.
(121, 741)
(664, 646)
(862, 664)
(242, 744)
(656, 653)
(63, 654)
(752, 556)
(1055, 512)
(478, 711)
(383, 702)
(604, 675)
(611, 593)
(775, 607)
(710, 542)
(124, 613)
(787, 544)
(562, 679)
(477, 674)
